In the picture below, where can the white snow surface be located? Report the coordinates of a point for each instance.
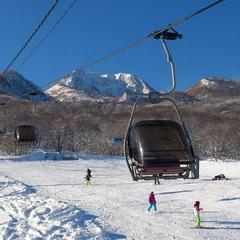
(42, 198)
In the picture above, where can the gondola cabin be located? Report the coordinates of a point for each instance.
(2, 124)
(26, 134)
(159, 149)
(2, 129)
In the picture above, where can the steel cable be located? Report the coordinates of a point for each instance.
(32, 35)
(47, 34)
(135, 43)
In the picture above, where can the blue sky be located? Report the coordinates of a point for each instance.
(93, 28)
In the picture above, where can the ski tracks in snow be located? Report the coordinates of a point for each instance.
(27, 215)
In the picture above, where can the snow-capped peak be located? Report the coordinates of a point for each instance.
(207, 82)
(105, 85)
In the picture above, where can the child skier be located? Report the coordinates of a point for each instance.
(152, 201)
(197, 210)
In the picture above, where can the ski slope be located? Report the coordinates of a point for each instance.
(42, 198)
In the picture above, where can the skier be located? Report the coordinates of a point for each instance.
(152, 201)
(156, 180)
(87, 180)
(197, 210)
(89, 172)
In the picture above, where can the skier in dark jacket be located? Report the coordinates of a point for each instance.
(89, 172)
(156, 180)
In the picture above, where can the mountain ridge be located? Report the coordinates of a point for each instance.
(213, 87)
(98, 87)
(103, 88)
(14, 84)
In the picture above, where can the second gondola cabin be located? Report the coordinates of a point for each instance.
(26, 134)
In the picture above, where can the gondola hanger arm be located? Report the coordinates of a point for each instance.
(164, 36)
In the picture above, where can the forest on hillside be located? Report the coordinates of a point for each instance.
(90, 127)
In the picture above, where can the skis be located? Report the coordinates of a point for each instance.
(202, 227)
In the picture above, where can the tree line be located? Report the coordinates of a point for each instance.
(90, 127)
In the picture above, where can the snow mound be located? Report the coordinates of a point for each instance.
(26, 215)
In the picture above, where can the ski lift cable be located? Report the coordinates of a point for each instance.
(153, 34)
(32, 35)
(135, 43)
(180, 21)
(47, 34)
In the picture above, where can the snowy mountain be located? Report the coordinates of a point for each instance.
(80, 85)
(105, 88)
(213, 87)
(14, 84)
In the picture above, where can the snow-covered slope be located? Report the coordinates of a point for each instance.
(80, 85)
(14, 84)
(48, 200)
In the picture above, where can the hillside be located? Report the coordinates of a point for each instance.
(212, 88)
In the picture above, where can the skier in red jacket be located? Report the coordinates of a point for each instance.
(152, 201)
